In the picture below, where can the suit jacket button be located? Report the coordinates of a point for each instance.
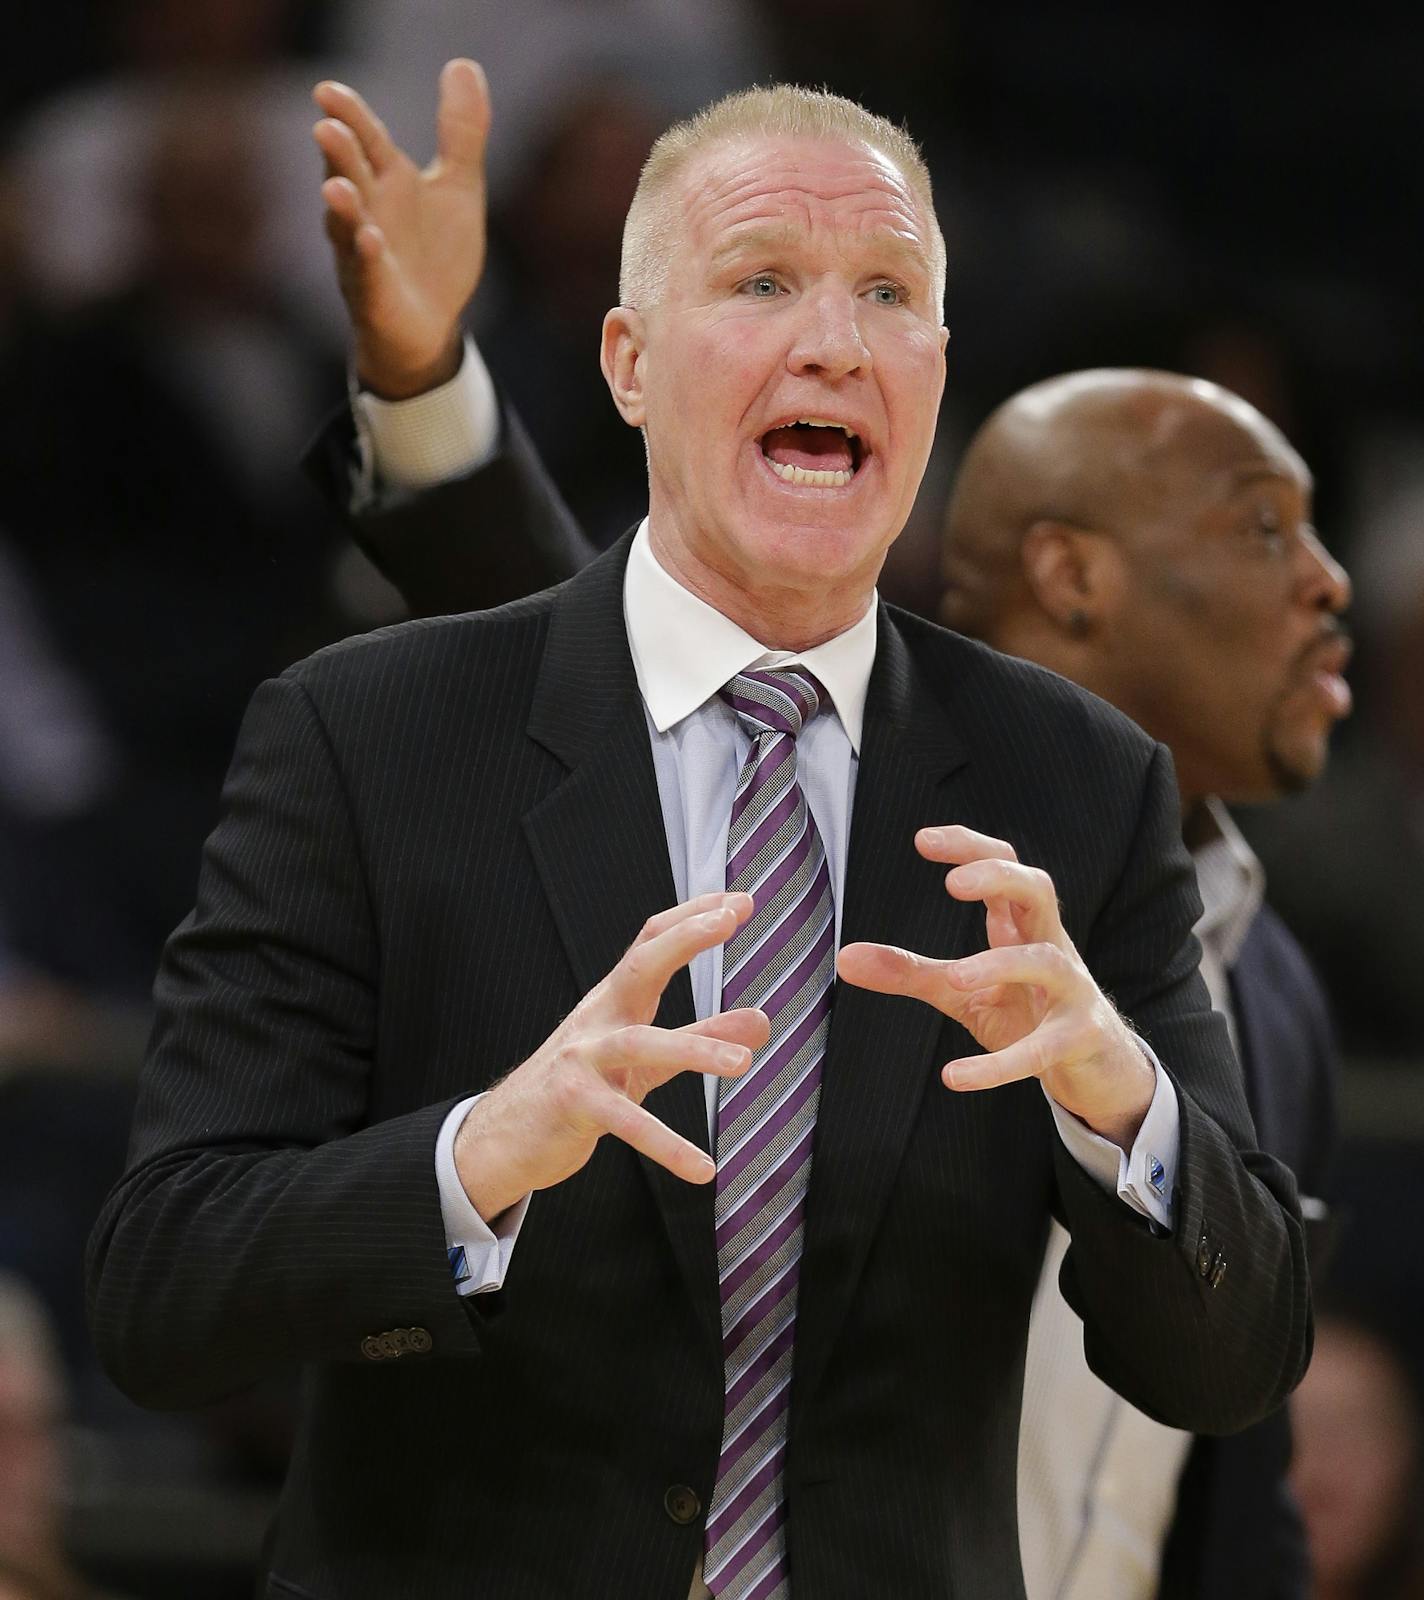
(390, 1346)
(420, 1341)
(1204, 1256)
(371, 1349)
(1218, 1270)
(681, 1504)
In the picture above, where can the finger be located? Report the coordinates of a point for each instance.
(1030, 1057)
(1029, 889)
(1042, 964)
(371, 250)
(713, 901)
(886, 969)
(743, 1026)
(636, 984)
(462, 119)
(340, 101)
(343, 205)
(657, 1054)
(343, 153)
(359, 244)
(960, 844)
(628, 1121)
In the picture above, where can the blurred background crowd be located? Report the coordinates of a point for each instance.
(1189, 189)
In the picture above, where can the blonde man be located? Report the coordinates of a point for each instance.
(554, 1217)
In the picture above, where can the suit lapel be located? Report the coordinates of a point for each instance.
(1254, 1034)
(601, 853)
(880, 1060)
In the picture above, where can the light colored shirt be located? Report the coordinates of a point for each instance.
(1098, 1479)
(683, 652)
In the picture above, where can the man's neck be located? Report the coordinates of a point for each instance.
(778, 618)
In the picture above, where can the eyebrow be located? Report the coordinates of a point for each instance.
(1244, 477)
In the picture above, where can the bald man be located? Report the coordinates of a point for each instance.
(1143, 533)
(1149, 536)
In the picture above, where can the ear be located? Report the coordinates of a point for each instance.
(1075, 574)
(621, 356)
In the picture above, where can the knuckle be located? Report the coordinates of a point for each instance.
(567, 1091)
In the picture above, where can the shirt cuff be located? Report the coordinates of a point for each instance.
(1145, 1177)
(419, 443)
(479, 1255)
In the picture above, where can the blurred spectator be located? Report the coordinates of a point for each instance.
(33, 1563)
(1357, 1466)
(170, 551)
(31, 1409)
(680, 55)
(81, 156)
(1349, 859)
(554, 272)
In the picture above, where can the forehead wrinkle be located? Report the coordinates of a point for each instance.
(750, 239)
(714, 198)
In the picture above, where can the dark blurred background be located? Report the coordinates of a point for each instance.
(1213, 189)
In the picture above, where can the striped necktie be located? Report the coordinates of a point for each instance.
(783, 960)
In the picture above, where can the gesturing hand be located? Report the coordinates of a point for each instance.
(540, 1124)
(409, 244)
(1028, 999)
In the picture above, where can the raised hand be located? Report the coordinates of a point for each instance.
(409, 243)
(589, 1078)
(1028, 999)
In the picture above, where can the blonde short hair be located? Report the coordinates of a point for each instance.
(779, 111)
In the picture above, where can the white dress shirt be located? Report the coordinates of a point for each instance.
(1098, 1479)
(683, 652)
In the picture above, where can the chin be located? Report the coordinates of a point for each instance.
(790, 550)
(1294, 769)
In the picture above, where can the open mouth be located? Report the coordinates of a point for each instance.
(813, 452)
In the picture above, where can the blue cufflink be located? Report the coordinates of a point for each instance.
(1157, 1175)
(458, 1264)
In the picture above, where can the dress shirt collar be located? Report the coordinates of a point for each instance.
(684, 650)
(1232, 882)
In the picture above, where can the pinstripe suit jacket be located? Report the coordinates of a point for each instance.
(434, 840)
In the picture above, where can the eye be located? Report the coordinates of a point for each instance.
(888, 294)
(763, 286)
(1266, 525)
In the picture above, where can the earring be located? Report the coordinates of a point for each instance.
(1077, 623)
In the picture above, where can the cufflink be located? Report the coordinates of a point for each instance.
(1157, 1175)
(459, 1266)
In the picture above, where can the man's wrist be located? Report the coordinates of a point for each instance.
(1121, 1123)
(391, 380)
(491, 1179)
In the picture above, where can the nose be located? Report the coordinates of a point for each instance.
(828, 340)
(1324, 583)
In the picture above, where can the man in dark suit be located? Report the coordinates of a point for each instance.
(1194, 512)
(1149, 536)
(372, 1048)
(1235, 1529)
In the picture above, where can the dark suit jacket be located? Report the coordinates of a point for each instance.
(1237, 1534)
(435, 840)
(478, 541)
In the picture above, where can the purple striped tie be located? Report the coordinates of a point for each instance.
(783, 960)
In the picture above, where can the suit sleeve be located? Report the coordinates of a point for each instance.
(263, 1219)
(1208, 1327)
(494, 535)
